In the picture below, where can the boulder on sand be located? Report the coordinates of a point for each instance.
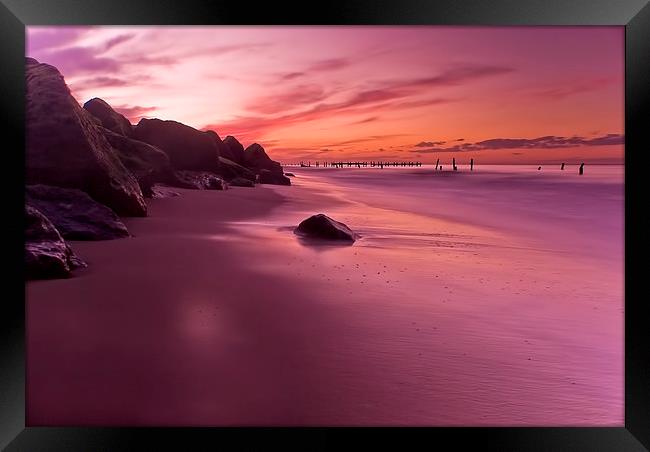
(66, 148)
(108, 117)
(75, 214)
(186, 147)
(323, 227)
(46, 253)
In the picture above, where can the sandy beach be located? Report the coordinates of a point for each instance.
(485, 298)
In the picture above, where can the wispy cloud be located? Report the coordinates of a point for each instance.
(545, 142)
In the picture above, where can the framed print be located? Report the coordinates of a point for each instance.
(387, 221)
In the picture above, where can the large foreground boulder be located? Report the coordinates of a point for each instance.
(66, 148)
(75, 214)
(108, 117)
(46, 253)
(186, 147)
(323, 227)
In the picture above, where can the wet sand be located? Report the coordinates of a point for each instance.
(458, 306)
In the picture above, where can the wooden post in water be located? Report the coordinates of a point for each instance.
(471, 164)
(562, 167)
(454, 164)
(437, 162)
(582, 169)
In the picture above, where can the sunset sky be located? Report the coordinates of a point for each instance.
(497, 94)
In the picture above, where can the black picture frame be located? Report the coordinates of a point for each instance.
(16, 14)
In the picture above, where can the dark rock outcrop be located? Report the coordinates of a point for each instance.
(66, 148)
(289, 174)
(233, 150)
(46, 253)
(75, 214)
(323, 227)
(108, 117)
(186, 147)
(269, 177)
(148, 164)
(256, 158)
(200, 180)
(231, 170)
(269, 171)
(162, 191)
(241, 182)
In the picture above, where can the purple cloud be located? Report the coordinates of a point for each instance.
(427, 144)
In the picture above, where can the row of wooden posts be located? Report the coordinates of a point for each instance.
(382, 164)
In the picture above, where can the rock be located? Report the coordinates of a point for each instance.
(290, 174)
(268, 177)
(75, 214)
(233, 150)
(148, 164)
(255, 157)
(241, 182)
(269, 171)
(108, 117)
(66, 148)
(323, 227)
(230, 170)
(161, 191)
(186, 147)
(46, 253)
(201, 180)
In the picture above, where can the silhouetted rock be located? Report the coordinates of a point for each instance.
(241, 182)
(162, 191)
(268, 177)
(75, 214)
(66, 148)
(269, 171)
(289, 174)
(148, 164)
(201, 180)
(323, 227)
(186, 147)
(46, 253)
(230, 170)
(256, 158)
(233, 150)
(108, 117)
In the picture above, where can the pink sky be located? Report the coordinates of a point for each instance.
(496, 94)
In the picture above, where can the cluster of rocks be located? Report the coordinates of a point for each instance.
(87, 165)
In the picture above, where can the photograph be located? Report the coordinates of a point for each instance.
(292, 226)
